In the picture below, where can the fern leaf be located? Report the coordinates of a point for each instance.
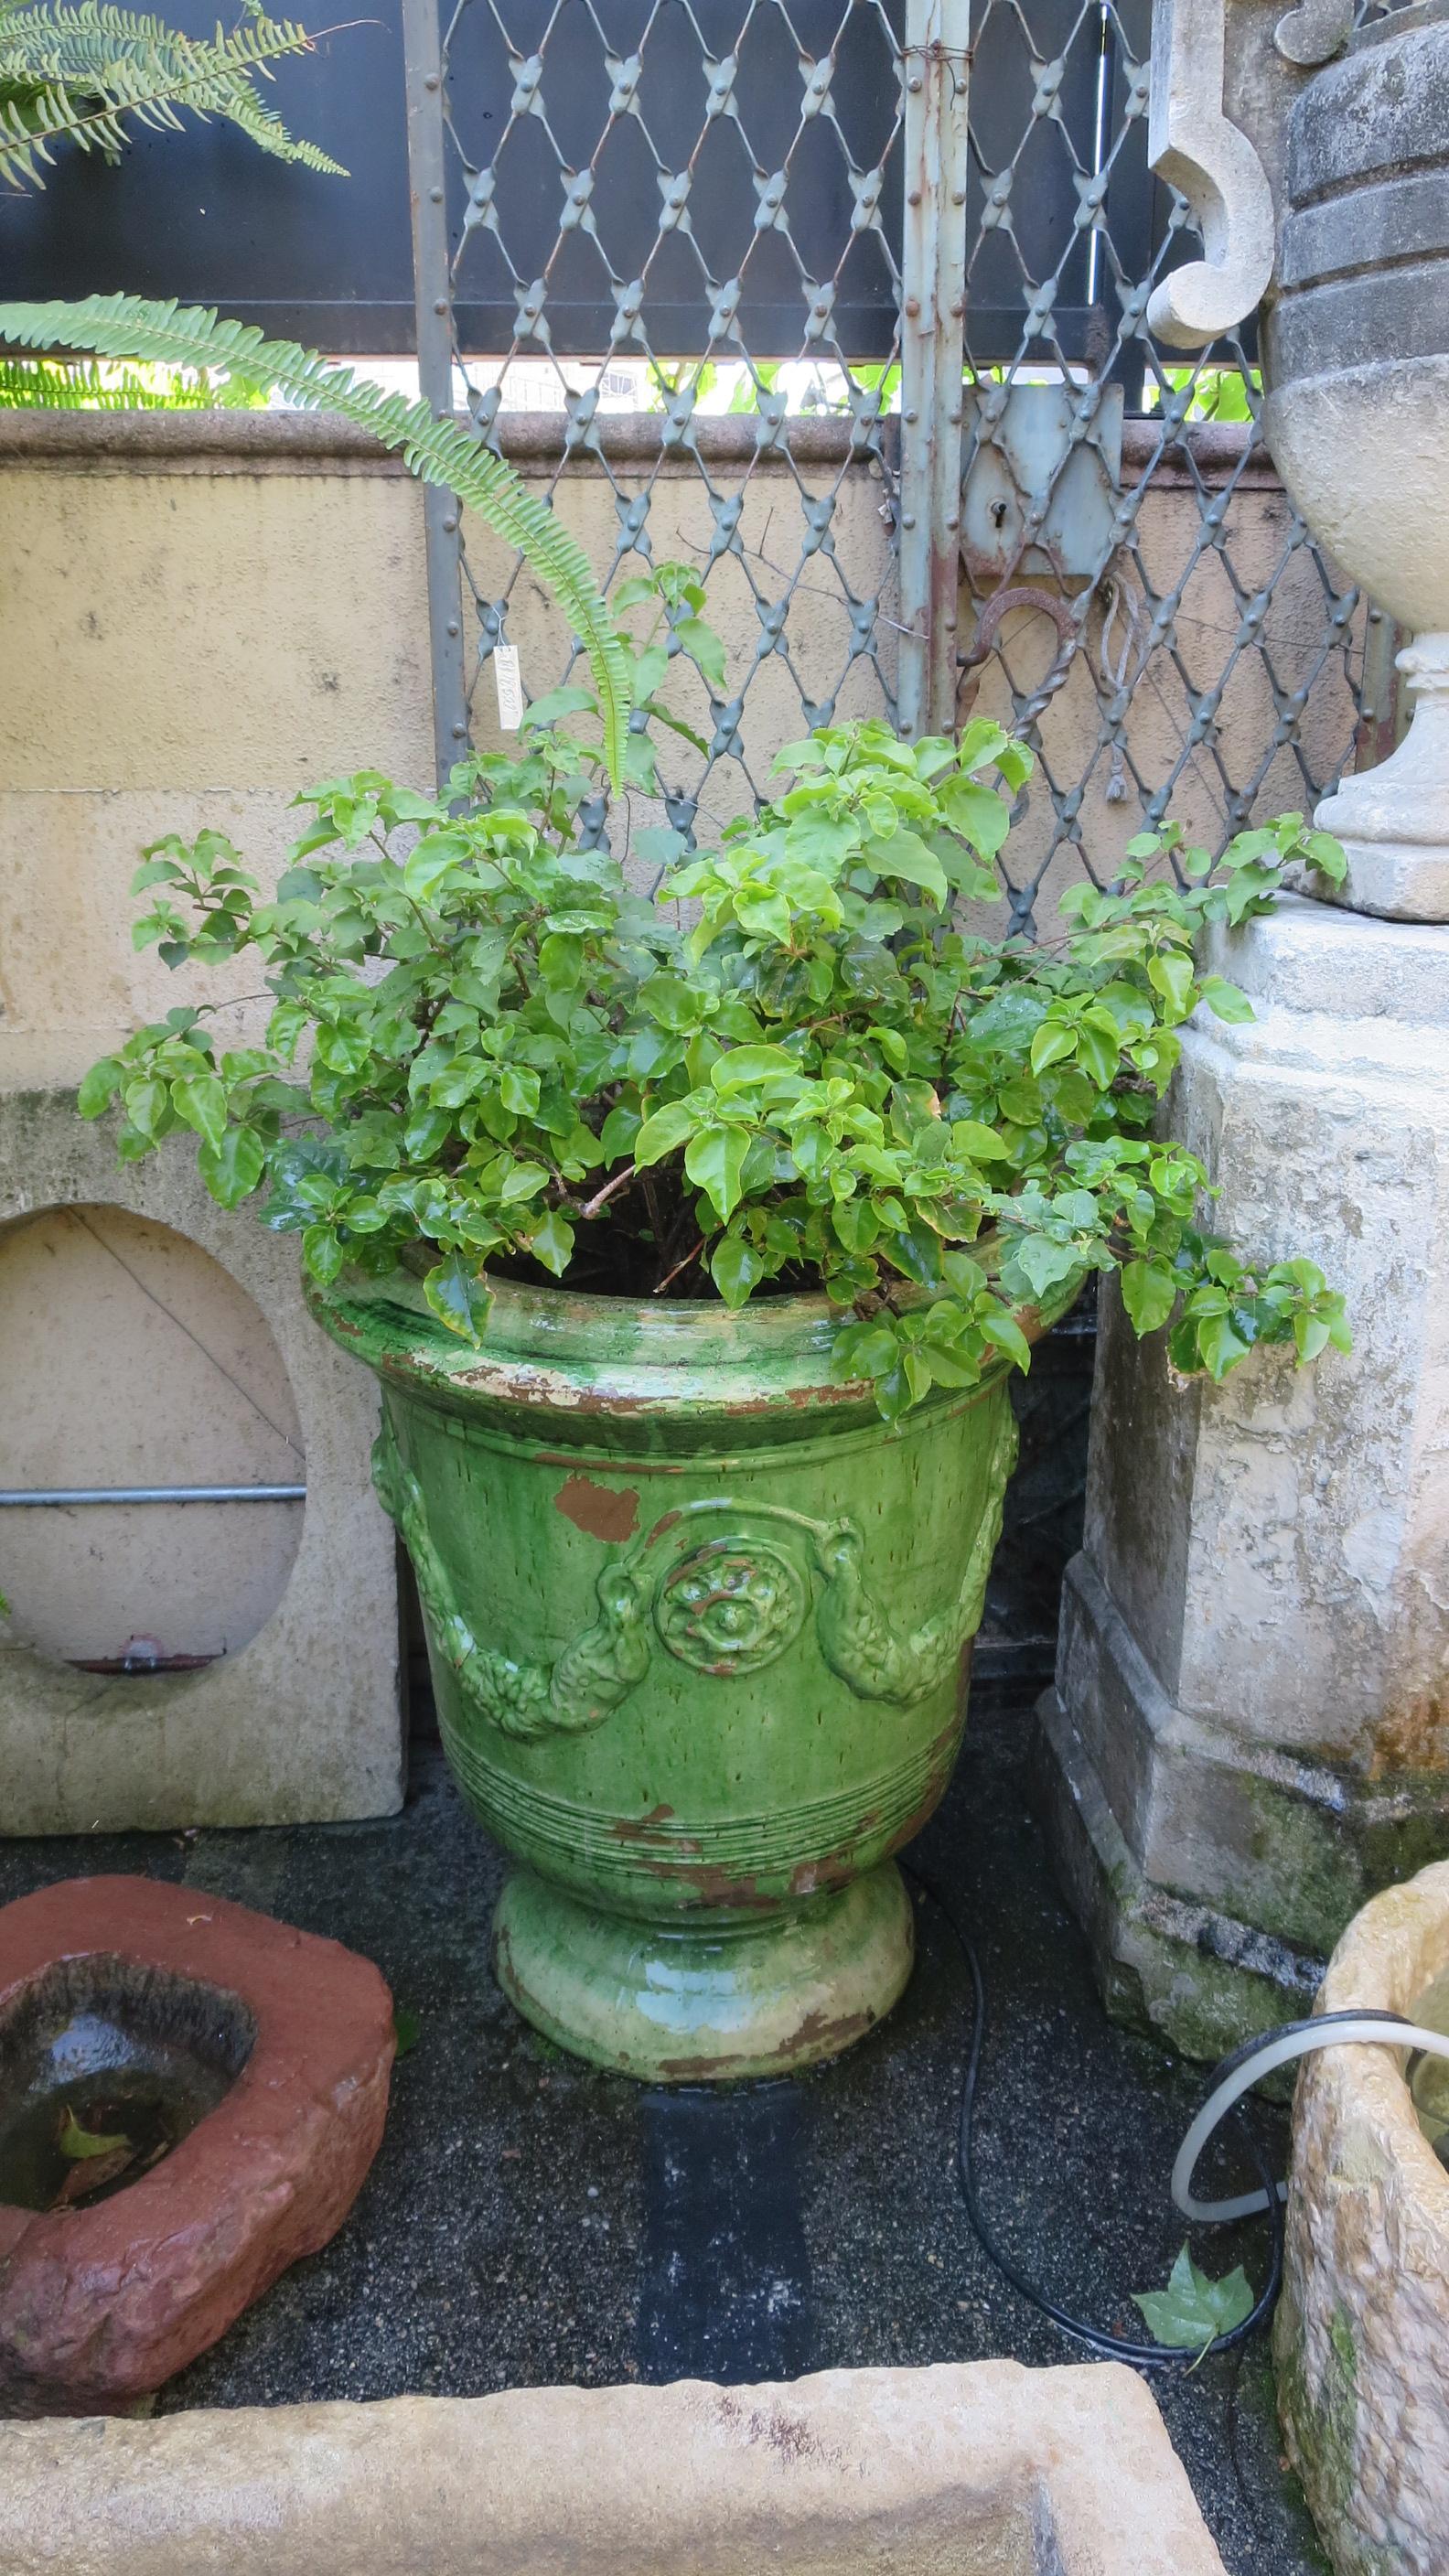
(77, 74)
(437, 451)
(85, 384)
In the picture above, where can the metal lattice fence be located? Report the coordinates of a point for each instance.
(915, 240)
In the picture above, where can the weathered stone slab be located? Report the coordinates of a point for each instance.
(981, 2470)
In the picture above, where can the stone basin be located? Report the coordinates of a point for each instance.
(190, 2097)
(105, 2047)
(1362, 2333)
(985, 2469)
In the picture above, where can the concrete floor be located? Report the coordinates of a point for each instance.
(530, 2221)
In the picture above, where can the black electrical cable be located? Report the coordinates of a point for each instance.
(1143, 2356)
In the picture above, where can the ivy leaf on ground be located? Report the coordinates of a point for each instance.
(1194, 2310)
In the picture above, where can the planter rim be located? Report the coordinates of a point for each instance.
(593, 1362)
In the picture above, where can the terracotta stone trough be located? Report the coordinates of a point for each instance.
(260, 2057)
(985, 2469)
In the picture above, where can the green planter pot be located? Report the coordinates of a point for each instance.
(700, 1628)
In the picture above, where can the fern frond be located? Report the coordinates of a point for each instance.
(79, 74)
(437, 451)
(85, 384)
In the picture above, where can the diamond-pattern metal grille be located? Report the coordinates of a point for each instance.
(713, 199)
(719, 189)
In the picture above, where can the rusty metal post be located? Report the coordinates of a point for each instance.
(432, 289)
(936, 69)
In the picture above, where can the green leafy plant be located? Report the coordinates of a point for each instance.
(87, 74)
(437, 451)
(1214, 393)
(787, 1071)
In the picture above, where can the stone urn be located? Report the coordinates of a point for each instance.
(699, 1625)
(1331, 207)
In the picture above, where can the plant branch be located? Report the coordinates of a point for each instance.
(610, 1190)
(671, 1275)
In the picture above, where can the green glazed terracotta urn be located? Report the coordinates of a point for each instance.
(700, 1627)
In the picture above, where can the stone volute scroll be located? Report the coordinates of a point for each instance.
(1193, 144)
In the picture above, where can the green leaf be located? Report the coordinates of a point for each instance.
(552, 1243)
(232, 1168)
(1002, 1328)
(744, 1068)
(1052, 1044)
(1044, 1264)
(519, 1090)
(1225, 998)
(1149, 1293)
(1220, 1346)
(671, 1001)
(407, 2029)
(1170, 973)
(704, 648)
(1098, 1052)
(147, 1104)
(980, 1143)
(662, 1131)
(1328, 856)
(906, 857)
(458, 1297)
(1310, 1332)
(322, 1252)
(85, 75)
(1194, 2310)
(555, 705)
(78, 2145)
(980, 816)
(715, 1160)
(619, 1132)
(735, 1268)
(426, 1133)
(202, 1103)
(431, 861)
(100, 1086)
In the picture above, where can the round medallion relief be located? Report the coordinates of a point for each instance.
(731, 1605)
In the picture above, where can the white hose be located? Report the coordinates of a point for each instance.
(1334, 2030)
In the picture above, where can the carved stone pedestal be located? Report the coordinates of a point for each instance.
(1249, 1731)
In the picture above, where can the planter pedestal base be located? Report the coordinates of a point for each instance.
(719, 1999)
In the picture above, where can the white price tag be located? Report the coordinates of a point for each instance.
(510, 687)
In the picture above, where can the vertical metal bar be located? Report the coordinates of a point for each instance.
(1383, 713)
(936, 69)
(432, 291)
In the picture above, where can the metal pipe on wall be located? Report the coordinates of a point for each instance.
(936, 66)
(423, 72)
